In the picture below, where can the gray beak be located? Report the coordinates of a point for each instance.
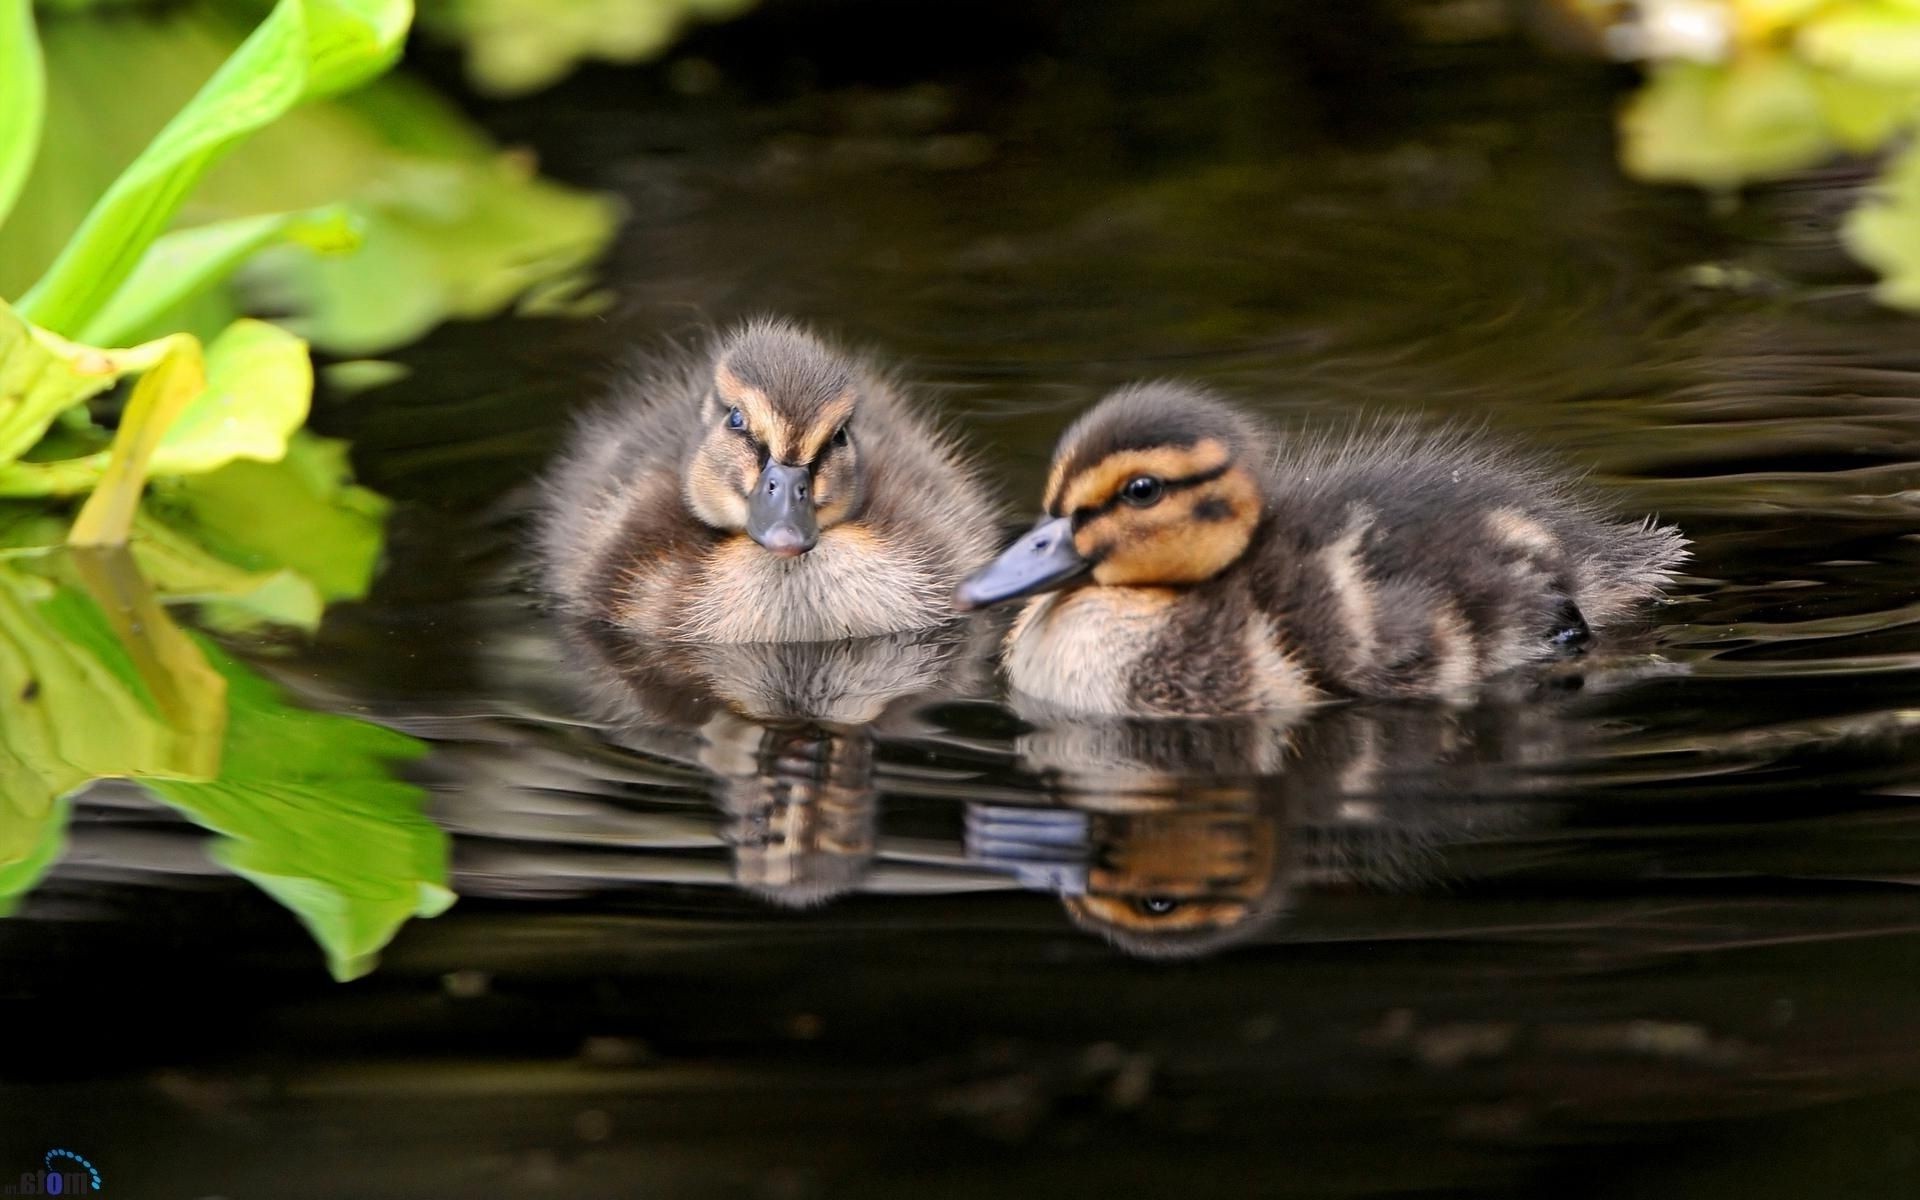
(1043, 559)
(781, 516)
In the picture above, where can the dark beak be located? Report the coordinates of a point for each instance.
(781, 516)
(1043, 559)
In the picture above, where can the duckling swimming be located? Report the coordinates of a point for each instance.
(773, 488)
(1190, 564)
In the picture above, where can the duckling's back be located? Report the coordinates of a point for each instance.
(1415, 559)
(615, 480)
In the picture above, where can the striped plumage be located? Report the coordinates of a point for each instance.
(1192, 563)
(658, 520)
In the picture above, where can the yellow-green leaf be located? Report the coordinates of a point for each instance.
(181, 265)
(1720, 125)
(162, 394)
(303, 49)
(23, 98)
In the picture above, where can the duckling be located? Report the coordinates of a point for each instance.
(1192, 564)
(771, 488)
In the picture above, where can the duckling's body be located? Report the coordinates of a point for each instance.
(1206, 568)
(772, 488)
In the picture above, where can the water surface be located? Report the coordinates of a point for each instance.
(1645, 928)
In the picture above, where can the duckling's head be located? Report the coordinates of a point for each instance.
(1156, 486)
(778, 460)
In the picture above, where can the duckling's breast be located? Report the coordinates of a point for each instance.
(1158, 652)
(853, 583)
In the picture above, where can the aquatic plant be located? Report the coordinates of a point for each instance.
(516, 46)
(251, 518)
(1746, 90)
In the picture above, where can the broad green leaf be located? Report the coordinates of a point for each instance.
(93, 683)
(23, 98)
(259, 386)
(1884, 231)
(42, 375)
(184, 571)
(163, 393)
(1720, 125)
(1862, 114)
(1874, 42)
(302, 513)
(182, 265)
(517, 46)
(97, 682)
(313, 815)
(303, 50)
(453, 227)
(24, 873)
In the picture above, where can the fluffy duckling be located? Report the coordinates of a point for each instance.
(773, 488)
(1190, 564)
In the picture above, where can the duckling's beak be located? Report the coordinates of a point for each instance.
(1043, 559)
(781, 516)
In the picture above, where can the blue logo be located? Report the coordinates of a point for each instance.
(66, 1174)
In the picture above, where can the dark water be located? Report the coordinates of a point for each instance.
(1651, 929)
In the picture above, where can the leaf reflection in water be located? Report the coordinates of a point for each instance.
(96, 682)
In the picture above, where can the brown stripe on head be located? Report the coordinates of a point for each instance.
(1200, 524)
(1148, 417)
(795, 389)
(1097, 485)
(763, 420)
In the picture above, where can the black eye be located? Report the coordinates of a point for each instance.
(1142, 491)
(736, 419)
(840, 436)
(1156, 906)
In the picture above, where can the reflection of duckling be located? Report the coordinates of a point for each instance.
(1177, 839)
(1187, 573)
(784, 729)
(775, 489)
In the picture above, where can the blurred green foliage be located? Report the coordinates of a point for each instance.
(120, 275)
(516, 46)
(1746, 90)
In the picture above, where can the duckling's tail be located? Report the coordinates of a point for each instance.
(1629, 569)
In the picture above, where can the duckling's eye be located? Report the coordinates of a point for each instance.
(736, 419)
(1142, 491)
(840, 436)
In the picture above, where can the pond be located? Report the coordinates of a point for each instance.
(1647, 927)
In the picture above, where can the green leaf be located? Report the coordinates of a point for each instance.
(23, 98)
(314, 817)
(452, 226)
(1884, 231)
(1720, 125)
(96, 682)
(302, 512)
(517, 46)
(1862, 114)
(258, 388)
(182, 265)
(93, 683)
(43, 375)
(1877, 43)
(452, 229)
(303, 50)
(184, 571)
(163, 393)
